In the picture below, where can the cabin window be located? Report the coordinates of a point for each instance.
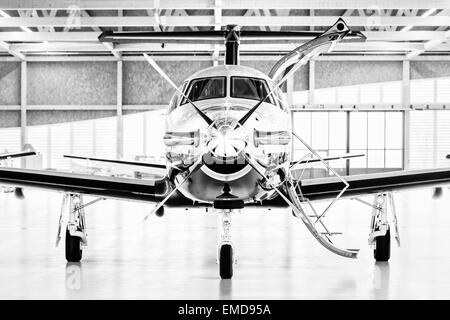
(250, 88)
(206, 88)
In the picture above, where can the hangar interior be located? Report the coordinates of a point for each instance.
(64, 92)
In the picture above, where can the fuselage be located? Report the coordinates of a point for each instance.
(225, 94)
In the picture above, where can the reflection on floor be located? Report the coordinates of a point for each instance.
(174, 257)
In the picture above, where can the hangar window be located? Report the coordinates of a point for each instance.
(206, 88)
(377, 135)
(249, 88)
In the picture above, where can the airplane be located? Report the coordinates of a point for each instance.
(228, 146)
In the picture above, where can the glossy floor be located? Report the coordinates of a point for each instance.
(174, 257)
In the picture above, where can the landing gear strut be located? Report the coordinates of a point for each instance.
(75, 229)
(380, 229)
(225, 256)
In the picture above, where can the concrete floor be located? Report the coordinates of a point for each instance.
(174, 257)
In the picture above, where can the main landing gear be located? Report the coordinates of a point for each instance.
(75, 228)
(380, 228)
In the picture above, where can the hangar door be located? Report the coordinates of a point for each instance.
(429, 139)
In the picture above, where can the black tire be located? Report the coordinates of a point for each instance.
(73, 248)
(226, 261)
(382, 251)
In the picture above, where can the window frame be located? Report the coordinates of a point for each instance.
(189, 89)
(273, 101)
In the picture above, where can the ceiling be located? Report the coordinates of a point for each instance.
(36, 28)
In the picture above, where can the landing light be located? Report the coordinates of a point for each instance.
(189, 138)
(271, 137)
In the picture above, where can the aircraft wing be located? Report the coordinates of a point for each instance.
(101, 186)
(19, 154)
(123, 162)
(328, 188)
(339, 157)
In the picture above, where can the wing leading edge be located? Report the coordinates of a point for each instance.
(124, 162)
(20, 154)
(327, 188)
(101, 186)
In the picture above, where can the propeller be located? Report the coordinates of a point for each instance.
(152, 62)
(195, 166)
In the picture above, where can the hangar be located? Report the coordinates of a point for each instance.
(63, 91)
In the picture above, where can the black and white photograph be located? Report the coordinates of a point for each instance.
(224, 150)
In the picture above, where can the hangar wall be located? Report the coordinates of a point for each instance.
(64, 92)
(346, 73)
(65, 84)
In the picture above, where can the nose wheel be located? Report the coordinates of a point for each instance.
(225, 254)
(226, 261)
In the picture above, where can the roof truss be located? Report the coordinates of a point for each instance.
(71, 27)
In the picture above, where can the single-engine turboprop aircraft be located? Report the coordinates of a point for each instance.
(228, 138)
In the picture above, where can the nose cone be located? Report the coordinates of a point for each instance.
(227, 138)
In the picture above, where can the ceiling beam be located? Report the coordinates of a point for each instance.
(375, 46)
(107, 45)
(49, 14)
(227, 4)
(156, 14)
(92, 36)
(7, 47)
(247, 57)
(180, 21)
(429, 45)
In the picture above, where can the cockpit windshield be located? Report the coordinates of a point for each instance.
(249, 88)
(206, 88)
(216, 87)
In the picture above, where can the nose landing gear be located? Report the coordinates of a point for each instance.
(225, 257)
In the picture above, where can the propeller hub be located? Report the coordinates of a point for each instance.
(226, 138)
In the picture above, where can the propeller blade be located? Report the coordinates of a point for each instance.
(152, 62)
(192, 169)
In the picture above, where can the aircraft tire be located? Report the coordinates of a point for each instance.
(382, 251)
(226, 261)
(73, 248)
